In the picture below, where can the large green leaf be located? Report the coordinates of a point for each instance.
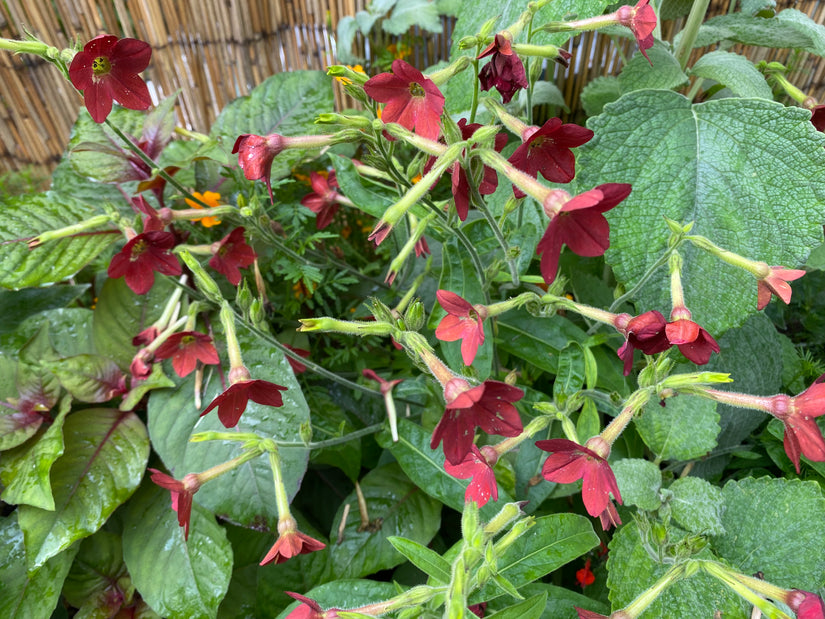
(774, 526)
(286, 103)
(735, 72)
(17, 305)
(173, 418)
(749, 30)
(537, 341)
(347, 594)
(100, 154)
(746, 171)
(697, 505)
(98, 574)
(104, 459)
(639, 483)
(367, 197)
(664, 73)
(684, 429)
(88, 378)
(177, 578)
(409, 13)
(31, 214)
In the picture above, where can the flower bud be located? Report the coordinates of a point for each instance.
(415, 316)
(203, 281)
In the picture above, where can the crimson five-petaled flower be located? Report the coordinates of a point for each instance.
(579, 224)
(412, 100)
(141, 257)
(641, 19)
(569, 461)
(186, 349)
(505, 70)
(255, 155)
(462, 322)
(645, 332)
(776, 282)
(477, 465)
(310, 609)
(487, 406)
(806, 605)
(290, 543)
(232, 254)
(232, 402)
(182, 493)
(693, 341)
(802, 434)
(323, 201)
(106, 70)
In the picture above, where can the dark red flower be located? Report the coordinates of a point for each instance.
(385, 385)
(478, 609)
(106, 70)
(487, 406)
(477, 465)
(291, 543)
(579, 224)
(645, 332)
(141, 257)
(297, 366)
(324, 200)
(570, 461)
(255, 155)
(585, 576)
(547, 150)
(818, 117)
(186, 349)
(460, 184)
(182, 493)
(588, 614)
(505, 70)
(806, 605)
(462, 322)
(641, 19)
(232, 254)
(692, 340)
(609, 517)
(147, 336)
(412, 100)
(309, 609)
(141, 366)
(776, 283)
(232, 402)
(421, 247)
(802, 434)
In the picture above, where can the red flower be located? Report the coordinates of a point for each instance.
(290, 543)
(255, 155)
(141, 366)
(487, 406)
(478, 609)
(182, 493)
(232, 402)
(547, 150)
(609, 517)
(462, 322)
(147, 336)
(141, 257)
(309, 609)
(570, 461)
(106, 70)
(584, 576)
(297, 366)
(579, 224)
(806, 605)
(641, 19)
(645, 332)
(588, 614)
(692, 340)
(802, 434)
(323, 200)
(505, 70)
(460, 185)
(776, 283)
(186, 349)
(385, 385)
(421, 248)
(231, 254)
(478, 466)
(818, 117)
(412, 100)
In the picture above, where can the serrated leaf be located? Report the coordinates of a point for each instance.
(17, 305)
(639, 483)
(733, 71)
(24, 593)
(749, 30)
(775, 524)
(697, 505)
(665, 72)
(428, 561)
(745, 170)
(88, 378)
(599, 92)
(409, 13)
(178, 579)
(684, 429)
(804, 24)
(74, 322)
(104, 459)
(285, 103)
(108, 162)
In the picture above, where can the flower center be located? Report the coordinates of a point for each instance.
(187, 340)
(101, 66)
(416, 90)
(138, 249)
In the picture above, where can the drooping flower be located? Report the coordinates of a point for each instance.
(588, 614)
(141, 366)
(324, 200)
(211, 198)
(802, 434)
(585, 576)
(641, 19)
(232, 403)
(488, 406)
(505, 70)
(297, 366)
(776, 283)
(255, 155)
(645, 332)
(692, 340)
(818, 117)
(141, 257)
(107, 70)
(182, 493)
(547, 150)
(459, 182)
(186, 349)
(806, 605)
(385, 386)
(412, 100)
(579, 224)
(477, 465)
(462, 322)
(569, 461)
(478, 609)
(232, 254)
(310, 609)
(290, 543)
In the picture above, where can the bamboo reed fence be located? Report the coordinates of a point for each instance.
(212, 51)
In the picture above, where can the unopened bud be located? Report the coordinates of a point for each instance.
(415, 315)
(204, 283)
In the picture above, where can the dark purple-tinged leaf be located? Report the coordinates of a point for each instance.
(89, 378)
(159, 127)
(98, 582)
(104, 459)
(16, 427)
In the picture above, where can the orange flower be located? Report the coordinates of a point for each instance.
(357, 68)
(212, 199)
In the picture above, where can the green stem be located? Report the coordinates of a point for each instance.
(474, 104)
(690, 31)
(481, 206)
(663, 259)
(201, 437)
(281, 498)
(225, 467)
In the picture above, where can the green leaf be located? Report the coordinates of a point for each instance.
(561, 602)
(536, 340)
(544, 93)
(330, 421)
(697, 505)
(733, 71)
(745, 170)
(530, 486)
(346, 593)
(531, 608)
(684, 429)
(588, 423)
(344, 36)
(425, 467)
(104, 459)
(804, 24)
(25, 471)
(88, 378)
(29, 215)
(665, 72)
(24, 593)
(108, 161)
(367, 197)
(428, 561)
(570, 373)
(17, 305)
(173, 418)
(599, 92)
(409, 13)
(775, 524)
(176, 578)
(639, 483)
(748, 30)
(76, 321)
(95, 577)
(285, 103)
(17, 427)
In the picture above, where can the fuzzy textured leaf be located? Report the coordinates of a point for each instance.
(697, 505)
(735, 72)
(665, 72)
(684, 429)
(639, 482)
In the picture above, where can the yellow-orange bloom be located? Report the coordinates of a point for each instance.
(212, 199)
